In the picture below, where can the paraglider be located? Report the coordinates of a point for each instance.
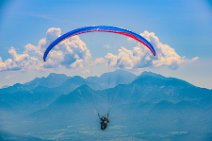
(104, 120)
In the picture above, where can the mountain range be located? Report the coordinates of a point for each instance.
(145, 107)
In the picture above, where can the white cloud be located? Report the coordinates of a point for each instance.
(52, 33)
(195, 58)
(111, 59)
(140, 56)
(72, 52)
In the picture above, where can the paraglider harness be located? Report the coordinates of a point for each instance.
(104, 120)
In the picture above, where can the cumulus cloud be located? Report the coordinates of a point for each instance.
(72, 53)
(140, 57)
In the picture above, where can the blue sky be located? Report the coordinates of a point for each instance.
(185, 25)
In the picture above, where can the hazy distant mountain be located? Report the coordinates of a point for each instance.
(34, 94)
(111, 79)
(52, 80)
(161, 88)
(42, 91)
(149, 78)
(70, 84)
(147, 107)
(79, 99)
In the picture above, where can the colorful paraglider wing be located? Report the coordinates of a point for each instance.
(101, 28)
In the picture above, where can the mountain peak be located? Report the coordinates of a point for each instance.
(83, 87)
(151, 78)
(111, 79)
(116, 72)
(77, 79)
(52, 80)
(150, 74)
(54, 75)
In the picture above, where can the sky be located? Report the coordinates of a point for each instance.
(180, 30)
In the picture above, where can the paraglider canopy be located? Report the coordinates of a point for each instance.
(100, 28)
